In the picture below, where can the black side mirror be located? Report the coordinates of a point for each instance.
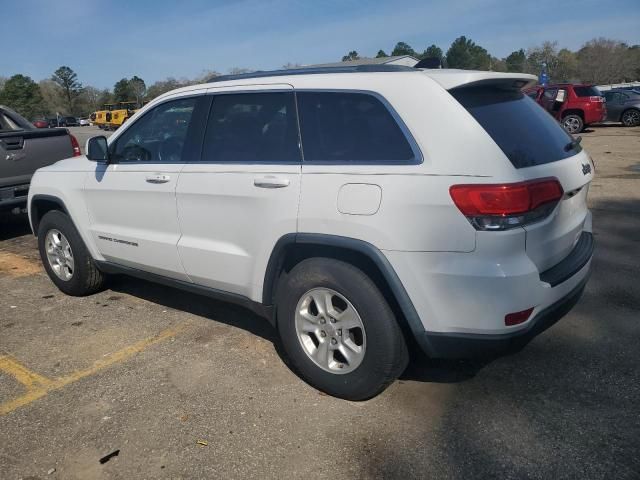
(97, 149)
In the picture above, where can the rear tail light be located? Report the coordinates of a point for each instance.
(597, 99)
(509, 205)
(75, 145)
(517, 318)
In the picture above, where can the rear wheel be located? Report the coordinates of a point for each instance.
(65, 257)
(631, 118)
(338, 329)
(573, 123)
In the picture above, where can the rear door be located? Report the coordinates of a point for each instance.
(615, 105)
(537, 147)
(242, 195)
(548, 99)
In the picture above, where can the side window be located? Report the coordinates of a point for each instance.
(550, 93)
(252, 128)
(608, 96)
(6, 123)
(349, 127)
(158, 136)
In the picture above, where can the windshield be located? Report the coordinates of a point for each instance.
(522, 129)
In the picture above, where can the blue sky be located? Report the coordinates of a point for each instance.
(106, 40)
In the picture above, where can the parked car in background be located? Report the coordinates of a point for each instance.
(41, 123)
(574, 106)
(623, 105)
(24, 149)
(342, 205)
(68, 122)
(84, 122)
(53, 123)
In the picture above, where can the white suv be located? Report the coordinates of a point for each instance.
(356, 208)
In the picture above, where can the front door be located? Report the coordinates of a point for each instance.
(615, 105)
(131, 201)
(242, 196)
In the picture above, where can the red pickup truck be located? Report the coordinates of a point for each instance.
(573, 105)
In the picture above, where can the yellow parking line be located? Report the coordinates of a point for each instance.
(38, 386)
(22, 374)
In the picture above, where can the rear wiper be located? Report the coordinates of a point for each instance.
(572, 144)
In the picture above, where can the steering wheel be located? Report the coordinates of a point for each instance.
(170, 150)
(135, 153)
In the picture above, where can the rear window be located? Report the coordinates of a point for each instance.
(6, 123)
(525, 132)
(587, 91)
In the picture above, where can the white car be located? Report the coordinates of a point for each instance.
(355, 208)
(84, 122)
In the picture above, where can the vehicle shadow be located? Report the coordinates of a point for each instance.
(421, 368)
(563, 407)
(13, 226)
(200, 305)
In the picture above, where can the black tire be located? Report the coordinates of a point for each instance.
(385, 356)
(631, 118)
(86, 278)
(573, 124)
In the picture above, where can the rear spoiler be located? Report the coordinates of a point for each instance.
(450, 79)
(429, 62)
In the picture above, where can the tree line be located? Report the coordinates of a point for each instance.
(64, 94)
(598, 61)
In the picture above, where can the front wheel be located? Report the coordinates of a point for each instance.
(65, 257)
(338, 330)
(631, 118)
(573, 124)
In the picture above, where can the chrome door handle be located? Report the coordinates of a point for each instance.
(158, 178)
(271, 182)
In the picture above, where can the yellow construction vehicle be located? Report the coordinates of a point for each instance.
(99, 117)
(121, 114)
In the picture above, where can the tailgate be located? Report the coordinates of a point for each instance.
(537, 147)
(24, 151)
(551, 240)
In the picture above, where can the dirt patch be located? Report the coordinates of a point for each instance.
(18, 266)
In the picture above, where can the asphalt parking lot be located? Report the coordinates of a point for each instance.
(185, 387)
(85, 133)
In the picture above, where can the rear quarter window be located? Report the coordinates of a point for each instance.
(587, 92)
(346, 127)
(524, 131)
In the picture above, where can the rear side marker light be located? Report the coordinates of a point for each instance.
(75, 145)
(516, 318)
(508, 205)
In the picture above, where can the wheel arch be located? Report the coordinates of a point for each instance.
(291, 249)
(573, 111)
(40, 205)
(628, 109)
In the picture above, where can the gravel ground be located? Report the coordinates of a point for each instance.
(185, 387)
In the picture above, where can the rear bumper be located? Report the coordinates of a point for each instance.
(461, 345)
(14, 196)
(461, 299)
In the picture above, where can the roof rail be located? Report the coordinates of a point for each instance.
(314, 71)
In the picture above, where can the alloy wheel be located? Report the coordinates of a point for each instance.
(59, 254)
(330, 331)
(571, 125)
(631, 118)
